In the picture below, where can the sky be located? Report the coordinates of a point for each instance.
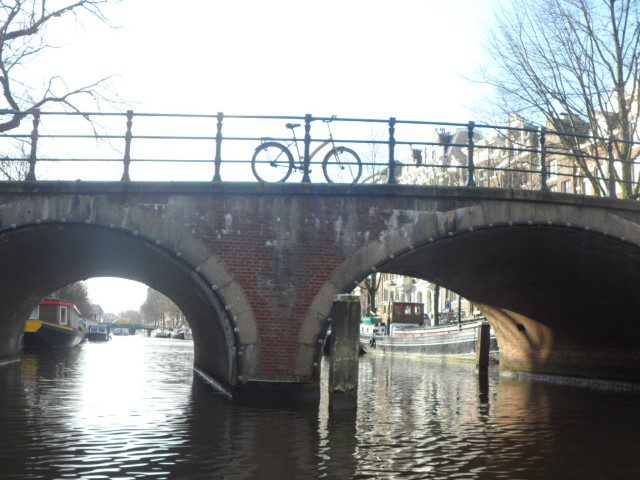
(359, 58)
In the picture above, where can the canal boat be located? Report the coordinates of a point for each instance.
(183, 333)
(98, 333)
(402, 330)
(120, 331)
(54, 324)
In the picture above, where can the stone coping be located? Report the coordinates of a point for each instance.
(255, 188)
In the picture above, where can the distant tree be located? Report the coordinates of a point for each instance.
(375, 160)
(133, 315)
(77, 293)
(14, 170)
(573, 64)
(160, 311)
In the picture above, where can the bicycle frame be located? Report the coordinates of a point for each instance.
(300, 163)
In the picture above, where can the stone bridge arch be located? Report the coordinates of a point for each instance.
(557, 279)
(47, 242)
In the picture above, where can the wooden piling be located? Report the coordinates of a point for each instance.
(345, 347)
(482, 346)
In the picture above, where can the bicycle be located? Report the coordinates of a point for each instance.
(274, 162)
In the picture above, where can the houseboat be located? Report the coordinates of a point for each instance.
(98, 333)
(54, 324)
(402, 329)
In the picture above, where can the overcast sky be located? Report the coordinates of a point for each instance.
(407, 58)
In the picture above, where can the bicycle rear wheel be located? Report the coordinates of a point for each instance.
(342, 165)
(272, 162)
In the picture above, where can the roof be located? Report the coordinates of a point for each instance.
(66, 303)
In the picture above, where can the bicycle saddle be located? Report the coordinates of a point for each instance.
(292, 125)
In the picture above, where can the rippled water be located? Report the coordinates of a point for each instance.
(132, 408)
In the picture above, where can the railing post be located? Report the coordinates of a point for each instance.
(218, 160)
(470, 146)
(612, 169)
(392, 151)
(307, 147)
(31, 176)
(543, 159)
(127, 147)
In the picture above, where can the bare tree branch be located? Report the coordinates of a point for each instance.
(23, 32)
(572, 65)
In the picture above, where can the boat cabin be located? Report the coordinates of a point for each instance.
(403, 312)
(58, 312)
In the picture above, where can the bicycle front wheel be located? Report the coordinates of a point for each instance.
(342, 165)
(272, 162)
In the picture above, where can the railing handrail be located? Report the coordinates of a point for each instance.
(463, 144)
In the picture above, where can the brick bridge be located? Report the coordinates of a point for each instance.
(254, 267)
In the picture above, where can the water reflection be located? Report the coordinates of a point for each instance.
(132, 408)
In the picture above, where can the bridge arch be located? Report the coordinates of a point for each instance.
(556, 281)
(46, 244)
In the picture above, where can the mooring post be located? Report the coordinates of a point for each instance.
(345, 349)
(482, 346)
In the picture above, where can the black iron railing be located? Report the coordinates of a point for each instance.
(346, 150)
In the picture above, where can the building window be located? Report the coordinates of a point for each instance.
(553, 168)
(64, 316)
(564, 186)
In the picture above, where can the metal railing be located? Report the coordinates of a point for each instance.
(382, 150)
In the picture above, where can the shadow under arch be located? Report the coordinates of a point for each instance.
(561, 296)
(38, 258)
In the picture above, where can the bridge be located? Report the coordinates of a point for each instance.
(132, 328)
(255, 266)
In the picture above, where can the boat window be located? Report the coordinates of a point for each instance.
(64, 315)
(35, 315)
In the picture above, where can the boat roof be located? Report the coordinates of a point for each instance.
(66, 303)
(404, 303)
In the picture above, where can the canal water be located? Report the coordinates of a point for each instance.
(131, 408)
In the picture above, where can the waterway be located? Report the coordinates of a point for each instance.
(132, 408)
